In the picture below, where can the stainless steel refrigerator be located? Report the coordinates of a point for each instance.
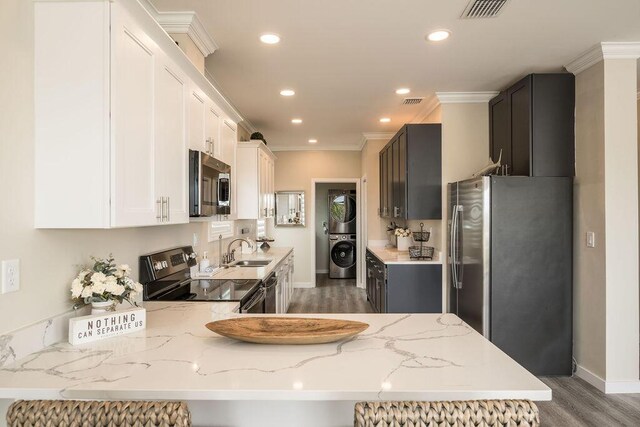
(510, 242)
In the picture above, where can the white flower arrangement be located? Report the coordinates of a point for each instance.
(105, 281)
(402, 232)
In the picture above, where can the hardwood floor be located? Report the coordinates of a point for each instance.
(330, 296)
(577, 403)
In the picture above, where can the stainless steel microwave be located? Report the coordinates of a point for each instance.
(209, 185)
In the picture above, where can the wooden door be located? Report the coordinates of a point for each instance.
(383, 184)
(212, 130)
(197, 135)
(401, 190)
(520, 104)
(170, 142)
(499, 130)
(133, 201)
(389, 179)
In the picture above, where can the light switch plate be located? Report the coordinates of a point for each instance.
(10, 276)
(591, 239)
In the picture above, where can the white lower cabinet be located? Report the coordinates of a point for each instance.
(284, 289)
(117, 106)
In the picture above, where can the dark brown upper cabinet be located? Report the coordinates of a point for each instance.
(532, 122)
(411, 173)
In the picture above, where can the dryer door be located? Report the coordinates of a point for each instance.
(342, 213)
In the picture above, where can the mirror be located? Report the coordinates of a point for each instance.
(290, 209)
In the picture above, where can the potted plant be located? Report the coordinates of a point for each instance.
(404, 238)
(105, 285)
(258, 137)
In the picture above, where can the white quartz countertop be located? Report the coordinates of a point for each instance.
(391, 255)
(276, 255)
(400, 357)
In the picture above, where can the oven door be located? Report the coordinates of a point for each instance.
(255, 304)
(209, 185)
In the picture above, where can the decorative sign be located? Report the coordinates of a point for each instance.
(106, 325)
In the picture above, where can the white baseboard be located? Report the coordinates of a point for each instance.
(303, 285)
(591, 378)
(324, 271)
(608, 387)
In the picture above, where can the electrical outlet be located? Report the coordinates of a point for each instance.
(591, 239)
(10, 275)
(195, 240)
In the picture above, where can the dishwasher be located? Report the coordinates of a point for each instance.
(269, 284)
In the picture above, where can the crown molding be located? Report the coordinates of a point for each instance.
(366, 136)
(431, 104)
(601, 51)
(465, 97)
(315, 148)
(184, 23)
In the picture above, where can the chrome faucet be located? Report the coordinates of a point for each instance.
(230, 256)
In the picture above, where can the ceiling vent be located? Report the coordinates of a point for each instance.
(412, 101)
(483, 9)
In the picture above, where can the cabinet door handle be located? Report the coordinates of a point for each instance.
(159, 209)
(168, 209)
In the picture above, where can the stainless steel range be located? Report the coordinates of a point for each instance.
(165, 276)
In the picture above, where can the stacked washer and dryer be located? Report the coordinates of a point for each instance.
(342, 234)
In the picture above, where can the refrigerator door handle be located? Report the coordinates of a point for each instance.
(459, 275)
(452, 248)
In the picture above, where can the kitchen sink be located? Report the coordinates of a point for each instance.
(251, 263)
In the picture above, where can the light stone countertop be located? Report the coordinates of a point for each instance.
(391, 255)
(274, 254)
(400, 357)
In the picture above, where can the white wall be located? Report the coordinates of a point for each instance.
(49, 259)
(322, 215)
(295, 170)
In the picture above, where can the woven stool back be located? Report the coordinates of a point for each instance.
(485, 413)
(76, 413)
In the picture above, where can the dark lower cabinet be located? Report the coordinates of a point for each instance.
(403, 288)
(532, 124)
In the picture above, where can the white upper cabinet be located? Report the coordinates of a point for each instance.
(132, 126)
(170, 147)
(255, 169)
(197, 120)
(117, 106)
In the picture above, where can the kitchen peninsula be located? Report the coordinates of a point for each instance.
(400, 357)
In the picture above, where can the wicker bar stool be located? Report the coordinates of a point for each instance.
(485, 413)
(72, 413)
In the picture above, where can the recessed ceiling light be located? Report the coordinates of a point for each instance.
(438, 35)
(270, 38)
(385, 120)
(287, 92)
(296, 121)
(313, 141)
(403, 91)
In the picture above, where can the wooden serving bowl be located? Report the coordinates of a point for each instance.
(286, 330)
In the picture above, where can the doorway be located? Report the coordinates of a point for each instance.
(333, 295)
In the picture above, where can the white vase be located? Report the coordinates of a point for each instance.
(100, 307)
(404, 243)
